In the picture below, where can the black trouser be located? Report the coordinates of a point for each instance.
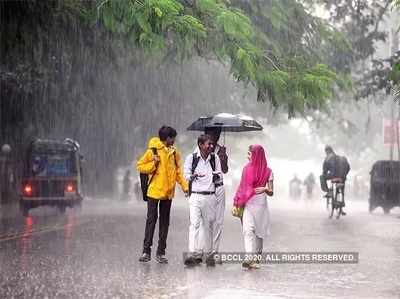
(152, 214)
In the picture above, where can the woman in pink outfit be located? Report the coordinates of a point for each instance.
(256, 183)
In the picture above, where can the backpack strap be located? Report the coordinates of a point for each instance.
(154, 150)
(195, 162)
(176, 162)
(196, 159)
(212, 161)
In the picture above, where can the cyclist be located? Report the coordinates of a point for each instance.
(335, 168)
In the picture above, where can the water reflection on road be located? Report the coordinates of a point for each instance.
(94, 253)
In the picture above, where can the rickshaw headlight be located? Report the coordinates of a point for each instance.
(70, 188)
(28, 190)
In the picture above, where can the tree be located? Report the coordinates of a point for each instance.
(361, 22)
(95, 70)
(280, 61)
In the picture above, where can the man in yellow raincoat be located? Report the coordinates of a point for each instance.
(164, 163)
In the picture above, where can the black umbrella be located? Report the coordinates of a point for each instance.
(227, 122)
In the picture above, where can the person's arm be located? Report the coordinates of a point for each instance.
(347, 167)
(147, 163)
(223, 157)
(179, 175)
(218, 165)
(187, 167)
(325, 168)
(245, 189)
(269, 189)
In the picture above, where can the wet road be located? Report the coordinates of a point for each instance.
(94, 254)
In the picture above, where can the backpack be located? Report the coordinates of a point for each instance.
(342, 167)
(144, 177)
(195, 162)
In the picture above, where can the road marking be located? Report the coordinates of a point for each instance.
(29, 233)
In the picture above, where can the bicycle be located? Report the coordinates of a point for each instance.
(335, 198)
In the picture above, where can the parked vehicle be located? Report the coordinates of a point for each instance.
(52, 175)
(385, 185)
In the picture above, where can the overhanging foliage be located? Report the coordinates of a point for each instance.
(274, 45)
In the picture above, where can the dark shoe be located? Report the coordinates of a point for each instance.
(161, 259)
(246, 265)
(145, 258)
(254, 265)
(344, 213)
(190, 261)
(210, 262)
(250, 265)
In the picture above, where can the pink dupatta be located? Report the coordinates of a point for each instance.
(255, 174)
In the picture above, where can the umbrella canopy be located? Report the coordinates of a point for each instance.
(227, 122)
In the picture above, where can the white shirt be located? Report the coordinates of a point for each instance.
(203, 183)
(216, 150)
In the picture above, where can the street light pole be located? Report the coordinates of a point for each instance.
(5, 173)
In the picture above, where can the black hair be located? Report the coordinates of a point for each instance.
(166, 132)
(203, 138)
(329, 149)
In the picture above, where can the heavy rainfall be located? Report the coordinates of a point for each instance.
(298, 198)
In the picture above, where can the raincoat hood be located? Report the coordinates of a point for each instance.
(155, 142)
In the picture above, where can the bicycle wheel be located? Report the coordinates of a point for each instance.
(332, 208)
(333, 205)
(339, 203)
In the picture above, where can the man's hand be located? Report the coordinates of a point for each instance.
(222, 153)
(222, 150)
(195, 176)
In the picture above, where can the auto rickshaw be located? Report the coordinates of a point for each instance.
(52, 175)
(385, 185)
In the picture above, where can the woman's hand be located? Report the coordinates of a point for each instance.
(269, 191)
(260, 190)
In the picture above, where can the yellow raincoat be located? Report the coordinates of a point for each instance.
(169, 170)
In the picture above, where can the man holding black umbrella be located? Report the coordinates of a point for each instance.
(202, 169)
(212, 126)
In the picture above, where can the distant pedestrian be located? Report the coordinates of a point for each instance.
(126, 185)
(165, 166)
(309, 182)
(295, 188)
